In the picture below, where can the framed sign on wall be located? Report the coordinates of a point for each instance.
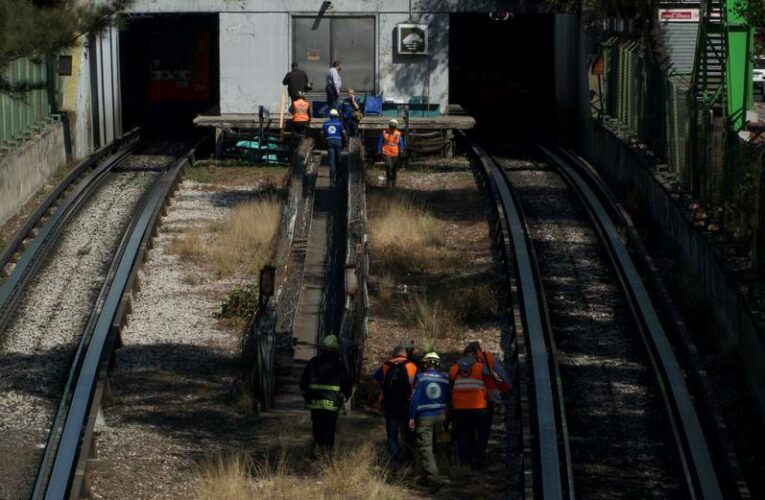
(412, 39)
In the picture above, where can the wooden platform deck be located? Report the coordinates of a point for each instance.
(453, 121)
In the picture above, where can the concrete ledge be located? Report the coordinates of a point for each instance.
(625, 171)
(28, 167)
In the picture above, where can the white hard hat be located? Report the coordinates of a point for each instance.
(393, 123)
(333, 112)
(431, 356)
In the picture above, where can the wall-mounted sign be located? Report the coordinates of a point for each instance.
(313, 56)
(412, 39)
(679, 15)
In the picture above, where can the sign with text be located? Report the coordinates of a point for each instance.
(412, 39)
(679, 15)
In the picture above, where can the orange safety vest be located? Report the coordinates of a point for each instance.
(411, 369)
(301, 111)
(468, 392)
(390, 143)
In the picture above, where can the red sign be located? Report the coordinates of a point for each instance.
(679, 15)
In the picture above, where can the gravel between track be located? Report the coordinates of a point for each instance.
(620, 439)
(41, 339)
(173, 389)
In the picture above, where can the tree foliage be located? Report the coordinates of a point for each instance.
(34, 27)
(754, 12)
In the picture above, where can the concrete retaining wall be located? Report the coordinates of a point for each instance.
(625, 171)
(25, 169)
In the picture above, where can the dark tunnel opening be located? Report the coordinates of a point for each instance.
(503, 73)
(170, 72)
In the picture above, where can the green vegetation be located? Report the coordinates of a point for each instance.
(754, 12)
(603, 9)
(38, 27)
(241, 302)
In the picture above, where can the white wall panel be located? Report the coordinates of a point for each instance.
(404, 76)
(254, 56)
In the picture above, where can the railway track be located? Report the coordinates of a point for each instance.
(103, 214)
(610, 413)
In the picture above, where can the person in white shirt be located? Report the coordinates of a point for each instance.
(333, 84)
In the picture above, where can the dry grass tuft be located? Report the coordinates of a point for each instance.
(228, 477)
(404, 235)
(473, 304)
(353, 474)
(430, 317)
(240, 245)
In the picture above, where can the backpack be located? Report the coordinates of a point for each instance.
(396, 387)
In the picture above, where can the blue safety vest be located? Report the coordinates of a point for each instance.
(333, 129)
(432, 394)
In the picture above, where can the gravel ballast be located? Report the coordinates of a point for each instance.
(173, 385)
(44, 332)
(620, 440)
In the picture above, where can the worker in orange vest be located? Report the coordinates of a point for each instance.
(470, 408)
(396, 377)
(301, 116)
(497, 384)
(391, 146)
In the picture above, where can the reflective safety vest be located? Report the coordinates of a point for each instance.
(301, 111)
(324, 397)
(333, 129)
(390, 143)
(468, 391)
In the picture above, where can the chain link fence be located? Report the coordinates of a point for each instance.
(695, 150)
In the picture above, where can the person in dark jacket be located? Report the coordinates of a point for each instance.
(396, 378)
(325, 384)
(296, 81)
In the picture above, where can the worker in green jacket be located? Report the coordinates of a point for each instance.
(325, 384)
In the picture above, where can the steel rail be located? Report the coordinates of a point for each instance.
(86, 375)
(556, 480)
(56, 427)
(729, 468)
(34, 255)
(701, 476)
(25, 232)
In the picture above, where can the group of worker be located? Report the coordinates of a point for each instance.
(342, 122)
(419, 402)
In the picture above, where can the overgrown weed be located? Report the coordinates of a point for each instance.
(358, 473)
(238, 245)
(405, 236)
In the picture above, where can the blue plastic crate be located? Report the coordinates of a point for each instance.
(373, 105)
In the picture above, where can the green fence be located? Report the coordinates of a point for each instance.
(697, 147)
(26, 95)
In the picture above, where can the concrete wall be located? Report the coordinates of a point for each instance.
(92, 94)
(401, 77)
(77, 101)
(256, 44)
(254, 55)
(26, 168)
(572, 122)
(625, 171)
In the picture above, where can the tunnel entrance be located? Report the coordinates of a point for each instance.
(170, 71)
(502, 72)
